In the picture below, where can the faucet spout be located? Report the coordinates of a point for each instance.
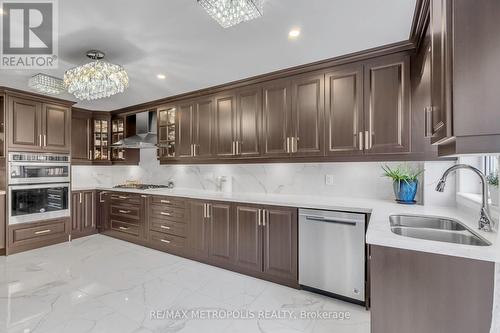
(486, 223)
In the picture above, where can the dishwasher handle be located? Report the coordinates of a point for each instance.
(335, 220)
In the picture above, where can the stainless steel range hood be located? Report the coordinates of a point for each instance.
(145, 135)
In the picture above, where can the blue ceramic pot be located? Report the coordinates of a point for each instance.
(405, 191)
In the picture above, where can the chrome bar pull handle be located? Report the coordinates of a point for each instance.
(368, 140)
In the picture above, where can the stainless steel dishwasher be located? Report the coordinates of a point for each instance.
(332, 253)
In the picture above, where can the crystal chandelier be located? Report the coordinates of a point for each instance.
(46, 84)
(231, 12)
(97, 79)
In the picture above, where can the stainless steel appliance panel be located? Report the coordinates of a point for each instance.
(332, 252)
(29, 203)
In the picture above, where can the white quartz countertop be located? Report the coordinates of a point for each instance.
(378, 233)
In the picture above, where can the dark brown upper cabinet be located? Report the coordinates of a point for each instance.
(463, 115)
(307, 123)
(38, 126)
(122, 127)
(81, 129)
(387, 105)
(248, 121)
(276, 120)
(25, 124)
(440, 111)
(225, 125)
(293, 116)
(344, 110)
(195, 128)
(167, 138)
(56, 128)
(237, 123)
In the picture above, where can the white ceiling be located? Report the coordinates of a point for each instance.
(177, 38)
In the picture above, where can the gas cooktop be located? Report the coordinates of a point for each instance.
(141, 186)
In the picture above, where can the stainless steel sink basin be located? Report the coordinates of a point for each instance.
(425, 222)
(435, 229)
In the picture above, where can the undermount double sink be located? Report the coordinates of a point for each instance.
(435, 229)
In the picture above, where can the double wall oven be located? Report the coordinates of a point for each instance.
(39, 187)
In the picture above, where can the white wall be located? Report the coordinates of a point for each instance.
(354, 179)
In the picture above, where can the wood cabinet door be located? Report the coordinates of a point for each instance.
(56, 128)
(102, 211)
(224, 125)
(280, 242)
(248, 235)
(276, 118)
(24, 124)
(441, 53)
(76, 212)
(203, 128)
(81, 132)
(344, 110)
(88, 222)
(184, 118)
(248, 121)
(221, 234)
(387, 107)
(198, 229)
(308, 114)
(2, 221)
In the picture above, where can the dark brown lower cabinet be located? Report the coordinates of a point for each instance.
(220, 233)
(248, 238)
(197, 229)
(83, 213)
(124, 216)
(266, 242)
(415, 292)
(255, 240)
(280, 242)
(27, 236)
(2, 223)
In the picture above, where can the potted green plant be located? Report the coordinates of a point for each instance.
(492, 179)
(405, 182)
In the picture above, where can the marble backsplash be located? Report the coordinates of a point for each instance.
(354, 179)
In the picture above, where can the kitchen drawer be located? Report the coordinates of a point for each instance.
(168, 243)
(169, 201)
(39, 232)
(169, 227)
(27, 236)
(171, 213)
(125, 198)
(124, 227)
(128, 211)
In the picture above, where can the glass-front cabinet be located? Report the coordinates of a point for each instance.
(117, 134)
(100, 140)
(166, 131)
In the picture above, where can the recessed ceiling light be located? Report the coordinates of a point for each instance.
(161, 76)
(294, 33)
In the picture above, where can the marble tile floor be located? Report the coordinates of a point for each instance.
(100, 284)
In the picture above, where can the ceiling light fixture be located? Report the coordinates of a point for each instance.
(46, 84)
(294, 33)
(96, 79)
(231, 12)
(161, 76)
